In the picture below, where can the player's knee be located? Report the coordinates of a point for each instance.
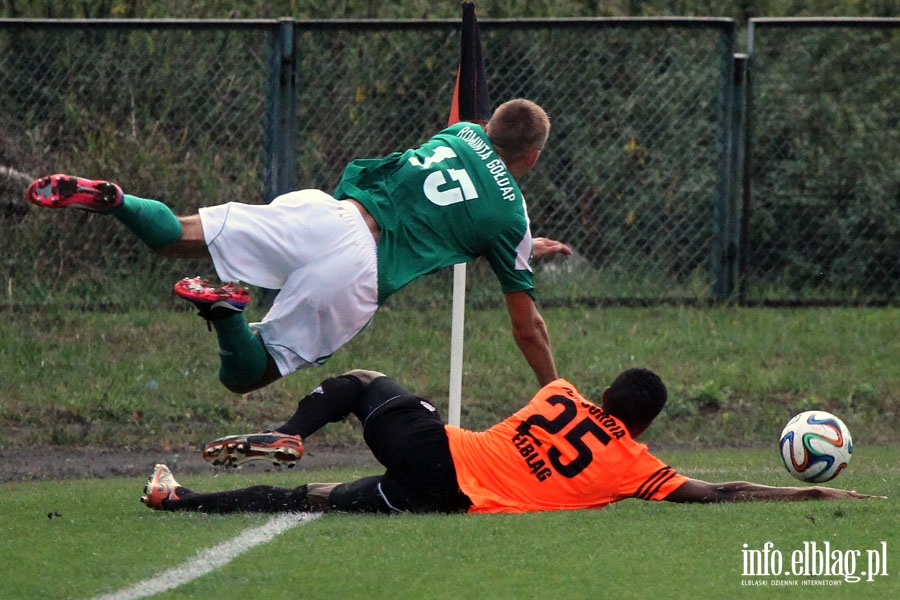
(363, 495)
(251, 374)
(365, 377)
(240, 388)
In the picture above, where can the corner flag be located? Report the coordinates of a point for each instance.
(470, 103)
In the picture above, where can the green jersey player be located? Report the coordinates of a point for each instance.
(443, 203)
(333, 259)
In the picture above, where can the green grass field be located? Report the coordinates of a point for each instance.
(104, 540)
(734, 375)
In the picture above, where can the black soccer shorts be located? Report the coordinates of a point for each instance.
(406, 434)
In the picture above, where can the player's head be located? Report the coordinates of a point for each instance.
(635, 398)
(518, 129)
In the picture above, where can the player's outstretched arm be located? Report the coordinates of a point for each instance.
(530, 332)
(695, 490)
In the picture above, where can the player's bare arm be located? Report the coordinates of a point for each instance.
(697, 491)
(530, 332)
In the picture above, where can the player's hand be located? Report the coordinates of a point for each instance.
(837, 494)
(541, 247)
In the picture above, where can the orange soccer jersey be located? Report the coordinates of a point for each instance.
(560, 452)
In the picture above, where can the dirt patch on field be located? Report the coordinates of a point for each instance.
(54, 462)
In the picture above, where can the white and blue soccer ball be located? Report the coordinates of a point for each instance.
(815, 446)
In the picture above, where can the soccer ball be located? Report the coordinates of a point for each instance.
(815, 446)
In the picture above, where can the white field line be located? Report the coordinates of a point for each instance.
(211, 559)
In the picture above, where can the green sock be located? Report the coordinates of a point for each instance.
(151, 220)
(244, 358)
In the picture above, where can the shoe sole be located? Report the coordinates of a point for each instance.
(209, 296)
(236, 453)
(151, 486)
(60, 191)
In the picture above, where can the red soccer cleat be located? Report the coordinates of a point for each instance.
(213, 303)
(60, 191)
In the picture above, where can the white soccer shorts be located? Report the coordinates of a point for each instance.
(320, 255)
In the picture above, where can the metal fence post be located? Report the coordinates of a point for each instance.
(746, 175)
(723, 278)
(731, 234)
(280, 169)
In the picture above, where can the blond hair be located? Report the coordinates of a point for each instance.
(518, 126)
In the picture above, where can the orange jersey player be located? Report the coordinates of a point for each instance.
(559, 452)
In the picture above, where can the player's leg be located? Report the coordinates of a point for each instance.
(331, 291)
(245, 364)
(305, 325)
(191, 243)
(151, 221)
(280, 246)
(322, 258)
(362, 495)
(333, 400)
(381, 494)
(330, 402)
(407, 435)
(404, 432)
(163, 492)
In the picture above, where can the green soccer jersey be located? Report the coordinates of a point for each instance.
(446, 202)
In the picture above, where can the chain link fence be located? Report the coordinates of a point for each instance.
(174, 112)
(629, 177)
(638, 176)
(823, 212)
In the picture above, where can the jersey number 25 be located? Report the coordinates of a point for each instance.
(575, 437)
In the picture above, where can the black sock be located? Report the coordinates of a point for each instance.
(258, 498)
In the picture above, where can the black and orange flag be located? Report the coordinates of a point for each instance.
(471, 101)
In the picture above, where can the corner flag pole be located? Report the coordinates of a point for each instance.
(470, 103)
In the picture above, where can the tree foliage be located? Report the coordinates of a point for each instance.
(739, 10)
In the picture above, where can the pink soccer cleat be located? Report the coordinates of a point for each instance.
(60, 191)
